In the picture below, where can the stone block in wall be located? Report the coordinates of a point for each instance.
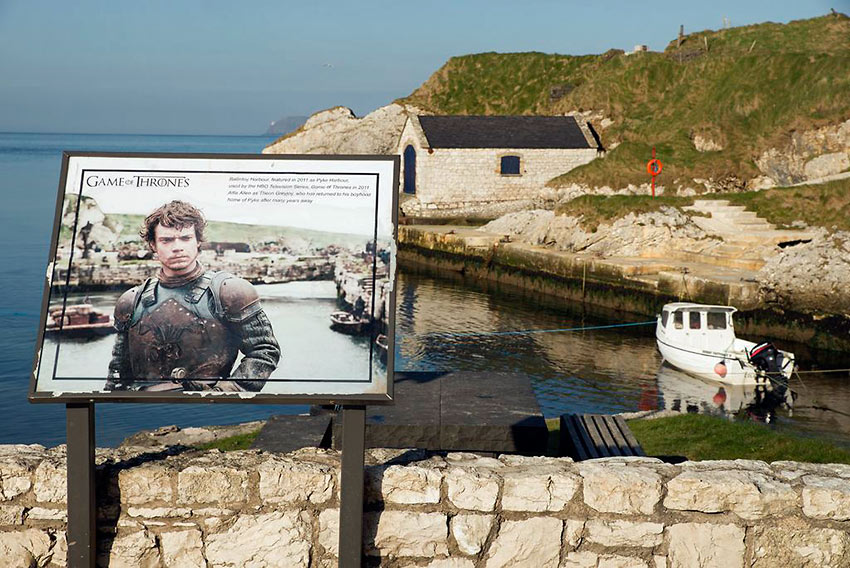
(31, 547)
(475, 489)
(826, 498)
(329, 531)
(182, 549)
(283, 480)
(49, 481)
(620, 488)
(727, 465)
(532, 542)
(59, 554)
(275, 540)
(535, 490)
(212, 484)
(14, 479)
(573, 531)
(11, 515)
(133, 550)
(405, 533)
(594, 560)
(790, 471)
(144, 484)
(749, 494)
(445, 563)
(406, 485)
(705, 545)
(801, 548)
(624, 533)
(159, 512)
(47, 514)
(471, 531)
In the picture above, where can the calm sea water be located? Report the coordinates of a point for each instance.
(603, 370)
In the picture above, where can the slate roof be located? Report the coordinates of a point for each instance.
(555, 132)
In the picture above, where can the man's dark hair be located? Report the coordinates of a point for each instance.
(174, 215)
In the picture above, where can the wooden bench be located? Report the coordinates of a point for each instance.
(588, 436)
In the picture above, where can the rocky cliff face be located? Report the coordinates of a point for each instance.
(339, 131)
(811, 276)
(808, 156)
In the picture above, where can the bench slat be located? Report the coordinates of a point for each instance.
(589, 446)
(602, 424)
(629, 436)
(570, 442)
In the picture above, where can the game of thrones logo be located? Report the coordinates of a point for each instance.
(161, 181)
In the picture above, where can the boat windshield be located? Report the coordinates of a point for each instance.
(678, 320)
(716, 320)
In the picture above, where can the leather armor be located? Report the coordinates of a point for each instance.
(188, 337)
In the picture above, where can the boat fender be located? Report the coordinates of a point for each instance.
(720, 369)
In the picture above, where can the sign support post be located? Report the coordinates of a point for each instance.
(82, 508)
(351, 490)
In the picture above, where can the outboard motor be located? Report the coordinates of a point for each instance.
(768, 360)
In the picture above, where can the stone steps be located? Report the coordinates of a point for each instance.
(739, 227)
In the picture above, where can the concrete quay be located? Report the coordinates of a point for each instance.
(727, 274)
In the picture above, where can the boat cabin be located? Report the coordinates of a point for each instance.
(698, 325)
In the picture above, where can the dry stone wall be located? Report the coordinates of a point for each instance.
(176, 507)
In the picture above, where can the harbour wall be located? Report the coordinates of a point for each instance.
(187, 508)
(607, 284)
(91, 276)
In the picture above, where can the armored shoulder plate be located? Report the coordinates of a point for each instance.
(239, 300)
(124, 308)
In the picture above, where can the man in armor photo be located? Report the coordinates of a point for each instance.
(184, 328)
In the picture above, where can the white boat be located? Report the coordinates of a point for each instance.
(700, 339)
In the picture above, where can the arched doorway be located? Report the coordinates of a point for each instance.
(410, 170)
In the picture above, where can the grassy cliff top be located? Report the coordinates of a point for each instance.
(745, 88)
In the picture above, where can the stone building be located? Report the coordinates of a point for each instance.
(486, 165)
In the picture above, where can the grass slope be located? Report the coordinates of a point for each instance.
(747, 88)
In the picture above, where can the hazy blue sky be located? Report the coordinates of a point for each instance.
(226, 67)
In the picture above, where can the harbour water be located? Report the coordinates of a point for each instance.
(442, 324)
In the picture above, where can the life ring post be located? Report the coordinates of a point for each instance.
(653, 168)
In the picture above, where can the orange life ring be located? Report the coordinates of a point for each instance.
(653, 167)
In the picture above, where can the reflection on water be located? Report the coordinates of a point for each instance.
(593, 371)
(686, 393)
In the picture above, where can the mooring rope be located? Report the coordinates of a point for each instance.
(529, 331)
